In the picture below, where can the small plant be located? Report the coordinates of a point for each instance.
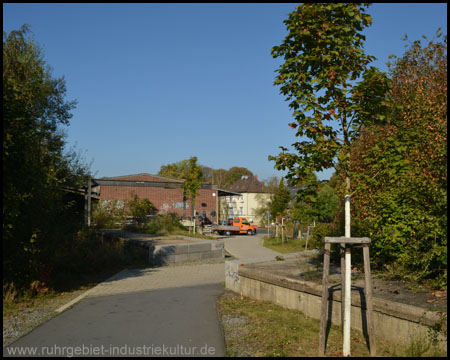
(10, 292)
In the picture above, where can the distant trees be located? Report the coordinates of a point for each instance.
(232, 175)
(39, 212)
(176, 170)
(222, 178)
(315, 201)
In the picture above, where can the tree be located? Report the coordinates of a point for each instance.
(176, 170)
(37, 214)
(323, 60)
(264, 202)
(408, 156)
(279, 204)
(332, 92)
(280, 201)
(234, 174)
(315, 201)
(326, 203)
(219, 178)
(193, 181)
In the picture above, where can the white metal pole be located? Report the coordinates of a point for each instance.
(348, 274)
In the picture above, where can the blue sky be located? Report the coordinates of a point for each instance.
(159, 83)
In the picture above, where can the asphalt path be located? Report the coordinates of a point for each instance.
(167, 311)
(248, 246)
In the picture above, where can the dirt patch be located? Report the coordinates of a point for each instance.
(311, 269)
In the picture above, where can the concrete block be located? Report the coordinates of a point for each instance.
(393, 321)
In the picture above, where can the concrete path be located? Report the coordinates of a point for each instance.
(167, 311)
(247, 246)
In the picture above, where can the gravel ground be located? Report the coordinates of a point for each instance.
(235, 329)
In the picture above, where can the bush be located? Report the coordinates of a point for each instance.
(162, 224)
(108, 214)
(140, 208)
(318, 234)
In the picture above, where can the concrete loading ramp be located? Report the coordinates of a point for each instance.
(164, 250)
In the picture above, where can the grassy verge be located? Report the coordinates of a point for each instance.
(260, 328)
(289, 245)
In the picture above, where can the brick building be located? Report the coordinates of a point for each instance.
(164, 193)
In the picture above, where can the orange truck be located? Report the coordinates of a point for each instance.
(238, 225)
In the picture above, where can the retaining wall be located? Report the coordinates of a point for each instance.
(396, 322)
(182, 249)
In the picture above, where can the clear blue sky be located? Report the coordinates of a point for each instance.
(159, 83)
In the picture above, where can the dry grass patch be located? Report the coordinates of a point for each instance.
(261, 328)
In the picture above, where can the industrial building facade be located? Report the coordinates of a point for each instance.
(164, 193)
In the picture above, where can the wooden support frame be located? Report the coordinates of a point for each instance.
(346, 243)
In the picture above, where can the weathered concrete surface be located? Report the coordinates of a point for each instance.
(279, 282)
(163, 250)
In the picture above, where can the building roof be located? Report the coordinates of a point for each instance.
(248, 184)
(142, 177)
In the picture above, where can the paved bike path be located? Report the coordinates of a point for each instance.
(247, 246)
(167, 311)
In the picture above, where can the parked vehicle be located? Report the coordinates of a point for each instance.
(237, 225)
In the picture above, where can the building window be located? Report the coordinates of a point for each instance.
(241, 210)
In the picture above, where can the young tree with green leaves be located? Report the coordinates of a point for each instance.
(193, 181)
(331, 90)
(280, 202)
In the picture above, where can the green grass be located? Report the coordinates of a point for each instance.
(289, 245)
(275, 331)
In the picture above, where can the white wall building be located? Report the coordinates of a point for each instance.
(251, 193)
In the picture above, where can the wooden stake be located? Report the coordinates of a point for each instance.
(368, 293)
(342, 246)
(323, 309)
